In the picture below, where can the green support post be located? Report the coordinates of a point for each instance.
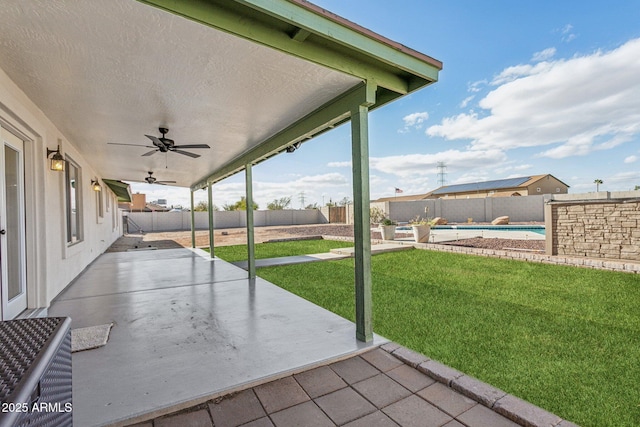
(362, 228)
(193, 223)
(210, 211)
(251, 255)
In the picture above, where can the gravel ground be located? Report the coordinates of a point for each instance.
(237, 236)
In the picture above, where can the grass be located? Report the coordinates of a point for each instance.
(564, 338)
(279, 249)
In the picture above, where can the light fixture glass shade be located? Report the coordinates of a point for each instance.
(96, 186)
(57, 162)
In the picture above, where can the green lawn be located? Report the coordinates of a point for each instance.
(279, 249)
(564, 338)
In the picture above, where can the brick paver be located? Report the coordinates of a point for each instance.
(237, 409)
(354, 369)
(410, 378)
(375, 389)
(305, 414)
(345, 405)
(416, 412)
(320, 381)
(448, 400)
(381, 390)
(280, 394)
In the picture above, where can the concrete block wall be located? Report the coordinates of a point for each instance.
(594, 225)
(518, 209)
(173, 221)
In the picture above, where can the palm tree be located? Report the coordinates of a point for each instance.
(597, 182)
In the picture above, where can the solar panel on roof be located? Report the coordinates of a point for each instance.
(497, 184)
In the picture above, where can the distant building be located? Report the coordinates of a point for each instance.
(510, 187)
(139, 204)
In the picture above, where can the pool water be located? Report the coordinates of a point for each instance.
(539, 229)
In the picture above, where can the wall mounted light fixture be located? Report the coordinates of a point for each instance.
(95, 185)
(57, 161)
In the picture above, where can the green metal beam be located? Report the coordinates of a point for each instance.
(362, 229)
(193, 223)
(251, 250)
(331, 42)
(210, 212)
(324, 118)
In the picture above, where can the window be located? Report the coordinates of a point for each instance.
(74, 202)
(99, 205)
(557, 189)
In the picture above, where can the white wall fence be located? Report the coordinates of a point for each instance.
(173, 221)
(518, 209)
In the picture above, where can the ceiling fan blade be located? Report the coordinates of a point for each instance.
(192, 146)
(132, 145)
(156, 141)
(186, 153)
(165, 182)
(150, 152)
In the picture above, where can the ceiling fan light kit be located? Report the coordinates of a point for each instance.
(165, 145)
(153, 180)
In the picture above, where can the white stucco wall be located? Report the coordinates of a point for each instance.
(169, 221)
(51, 263)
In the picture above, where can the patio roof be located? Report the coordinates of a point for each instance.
(247, 77)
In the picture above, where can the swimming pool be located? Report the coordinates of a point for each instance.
(539, 229)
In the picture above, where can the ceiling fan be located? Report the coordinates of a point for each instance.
(164, 145)
(152, 180)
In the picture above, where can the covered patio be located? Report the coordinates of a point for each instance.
(235, 82)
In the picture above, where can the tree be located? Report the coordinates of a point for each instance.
(312, 206)
(597, 182)
(344, 202)
(201, 206)
(240, 205)
(279, 204)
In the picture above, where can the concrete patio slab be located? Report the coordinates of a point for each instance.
(187, 328)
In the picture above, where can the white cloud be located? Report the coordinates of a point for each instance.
(575, 106)
(414, 120)
(476, 86)
(415, 165)
(465, 102)
(346, 164)
(567, 33)
(543, 55)
(631, 159)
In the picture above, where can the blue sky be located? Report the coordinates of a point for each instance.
(527, 88)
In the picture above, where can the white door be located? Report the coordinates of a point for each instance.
(13, 281)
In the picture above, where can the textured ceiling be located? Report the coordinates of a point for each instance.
(113, 71)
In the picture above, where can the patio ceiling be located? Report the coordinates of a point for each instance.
(247, 79)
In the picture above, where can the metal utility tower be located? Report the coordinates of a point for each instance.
(442, 173)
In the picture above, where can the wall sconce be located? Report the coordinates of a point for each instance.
(95, 185)
(57, 161)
